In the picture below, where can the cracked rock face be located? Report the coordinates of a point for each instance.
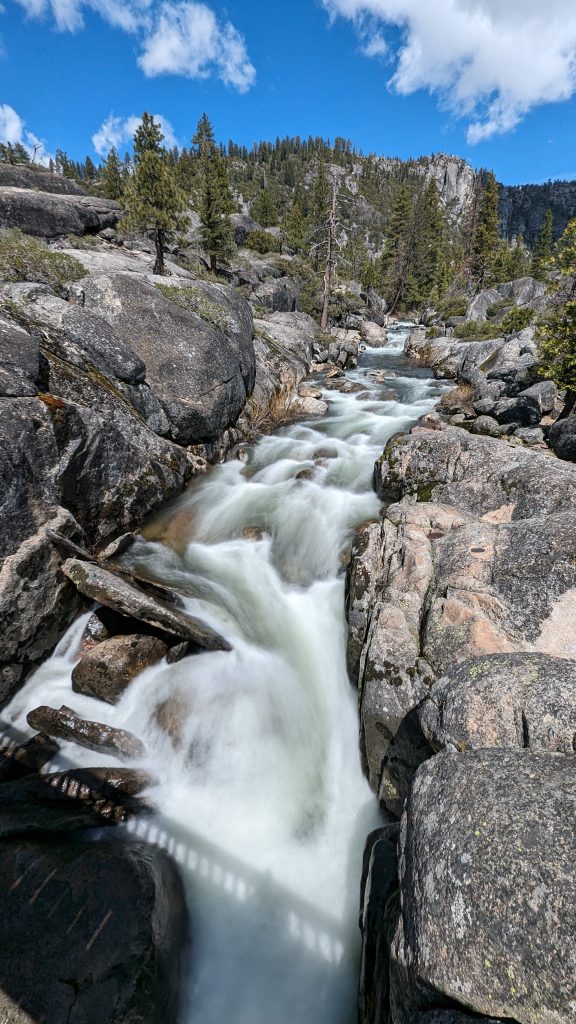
(486, 907)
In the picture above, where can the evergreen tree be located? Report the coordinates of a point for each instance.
(264, 209)
(112, 176)
(214, 196)
(486, 237)
(294, 226)
(154, 202)
(557, 333)
(318, 213)
(89, 172)
(544, 247)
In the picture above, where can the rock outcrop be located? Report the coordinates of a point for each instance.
(48, 215)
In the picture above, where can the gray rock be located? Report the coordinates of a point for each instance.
(19, 361)
(71, 801)
(98, 340)
(242, 225)
(279, 296)
(22, 176)
(478, 307)
(545, 392)
(116, 593)
(486, 888)
(105, 671)
(524, 409)
(112, 952)
(66, 724)
(562, 439)
(451, 1017)
(485, 407)
(486, 425)
(479, 475)
(47, 215)
(504, 700)
(530, 435)
(201, 373)
(380, 880)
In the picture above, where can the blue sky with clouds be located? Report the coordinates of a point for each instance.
(491, 80)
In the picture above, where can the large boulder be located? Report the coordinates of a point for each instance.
(47, 215)
(90, 933)
(487, 910)
(562, 439)
(203, 372)
(281, 295)
(504, 700)
(66, 724)
(105, 671)
(242, 225)
(38, 179)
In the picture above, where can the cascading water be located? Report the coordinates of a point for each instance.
(260, 794)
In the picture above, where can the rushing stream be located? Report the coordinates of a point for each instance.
(260, 794)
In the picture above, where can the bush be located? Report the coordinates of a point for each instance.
(497, 307)
(263, 242)
(24, 258)
(455, 306)
(478, 330)
(517, 319)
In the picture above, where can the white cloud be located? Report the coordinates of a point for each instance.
(119, 131)
(179, 38)
(13, 129)
(188, 40)
(490, 61)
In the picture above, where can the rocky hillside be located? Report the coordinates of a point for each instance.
(524, 207)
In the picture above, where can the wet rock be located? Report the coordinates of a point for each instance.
(108, 669)
(486, 894)
(504, 700)
(48, 215)
(20, 759)
(72, 800)
(66, 724)
(118, 547)
(114, 592)
(305, 407)
(373, 335)
(380, 881)
(562, 439)
(90, 932)
(309, 391)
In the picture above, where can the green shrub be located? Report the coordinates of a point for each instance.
(478, 330)
(83, 241)
(24, 258)
(456, 306)
(263, 242)
(517, 319)
(497, 307)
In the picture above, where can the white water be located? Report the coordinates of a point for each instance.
(263, 803)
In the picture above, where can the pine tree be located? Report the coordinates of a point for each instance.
(557, 333)
(294, 226)
(112, 176)
(486, 238)
(544, 247)
(213, 197)
(153, 200)
(264, 209)
(318, 213)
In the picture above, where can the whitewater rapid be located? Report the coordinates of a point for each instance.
(260, 794)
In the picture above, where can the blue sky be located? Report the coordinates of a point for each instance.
(398, 77)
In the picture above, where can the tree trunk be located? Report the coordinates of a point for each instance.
(329, 262)
(213, 265)
(159, 243)
(569, 403)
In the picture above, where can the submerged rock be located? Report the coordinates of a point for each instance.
(20, 759)
(66, 724)
(114, 592)
(108, 668)
(90, 933)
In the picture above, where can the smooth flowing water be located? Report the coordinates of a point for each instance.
(260, 794)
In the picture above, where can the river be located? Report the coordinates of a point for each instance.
(260, 793)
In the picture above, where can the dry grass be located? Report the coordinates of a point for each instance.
(461, 396)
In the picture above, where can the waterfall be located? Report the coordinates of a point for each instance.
(259, 793)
